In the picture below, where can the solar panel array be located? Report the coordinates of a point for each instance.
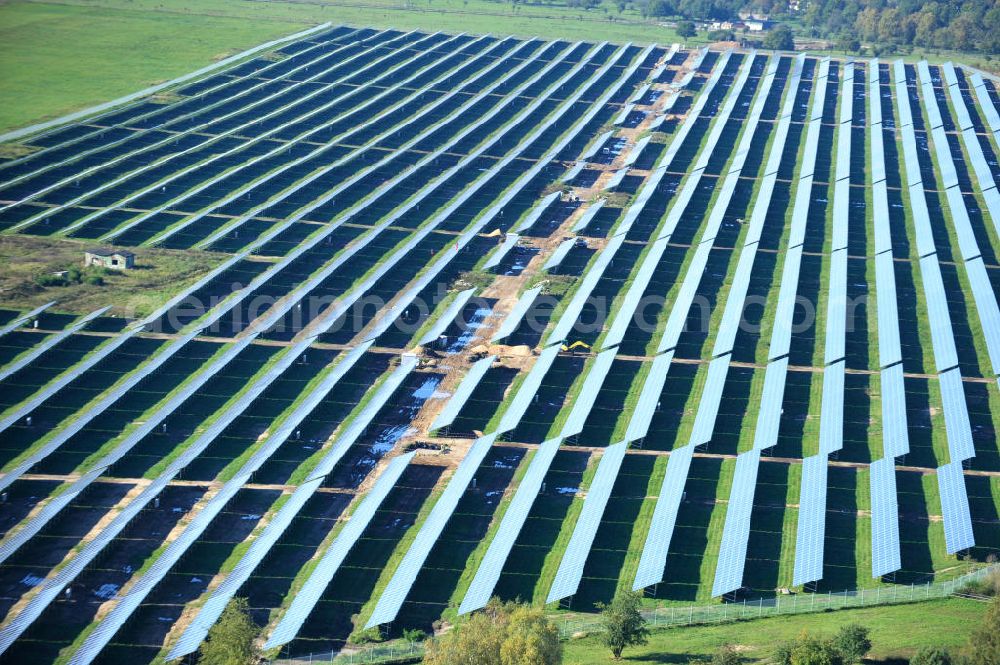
(362, 166)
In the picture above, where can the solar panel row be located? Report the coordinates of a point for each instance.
(570, 570)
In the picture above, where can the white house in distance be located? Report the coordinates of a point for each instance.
(114, 259)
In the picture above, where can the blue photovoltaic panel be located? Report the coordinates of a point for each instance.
(616, 180)
(811, 532)
(946, 165)
(685, 296)
(939, 318)
(921, 216)
(841, 206)
(649, 398)
(930, 104)
(461, 395)
(513, 319)
(509, 242)
(800, 212)
(654, 125)
(732, 96)
(87, 554)
(653, 559)
(571, 566)
(708, 405)
(759, 214)
(637, 149)
(956, 416)
(967, 243)
(591, 387)
(623, 114)
(889, 351)
(597, 145)
(583, 221)
(880, 207)
(210, 611)
(895, 437)
(69, 376)
(308, 595)
(877, 152)
(733, 313)
(831, 423)
(556, 258)
(986, 307)
(736, 532)
(957, 101)
(718, 211)
(514, 517)
(640, 93)
(771, 400)
(24, 318)
(641, 278)
(680, 202)
(902, 99)
(526, 392)
(399, 586)
(572, 173)
(885, 518)
(564, 326)
(25, 359)
(985, 103)
(781, 335)
(958, 534)
(836, 314)
(448, 316)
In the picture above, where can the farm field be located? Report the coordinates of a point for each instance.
(466, 316)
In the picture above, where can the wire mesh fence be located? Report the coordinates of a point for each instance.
(663, 617)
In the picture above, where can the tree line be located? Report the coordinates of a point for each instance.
(884, 25)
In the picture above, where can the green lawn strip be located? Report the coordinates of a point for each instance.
(810, 428)
(748, 429)
(863, 531)
(789, 527)
(946, 622)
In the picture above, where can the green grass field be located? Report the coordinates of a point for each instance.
(57, 58)
(945, 623)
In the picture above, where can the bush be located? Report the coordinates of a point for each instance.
(414, 635)
(780, 39)
(686, 29)
(853, 642)
(231, 640)
(932, 656)
(623, 624)
(49, 280)
(94, 280)
(984, 645)
(500, 634)
(366, 636)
